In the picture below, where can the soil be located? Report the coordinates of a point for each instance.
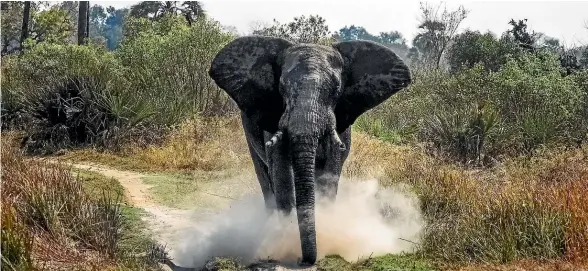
(166, 223)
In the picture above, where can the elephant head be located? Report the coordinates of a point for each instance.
(305, 93)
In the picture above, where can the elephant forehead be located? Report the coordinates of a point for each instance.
(311, 56)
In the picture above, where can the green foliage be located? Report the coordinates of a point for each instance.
(54, 25)
(463, 134)
(11, 23)
(472, 47)
(476, 117)
(436, 31)
(381, 263)
(302, 30)
(175, 85)
(154, 10)
(66, 95)
(393, 39)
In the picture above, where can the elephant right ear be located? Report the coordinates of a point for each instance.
(249, 69)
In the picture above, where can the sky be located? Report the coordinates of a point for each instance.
(565, 20)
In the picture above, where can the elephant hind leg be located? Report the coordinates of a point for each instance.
(327, 184)
(329, 167)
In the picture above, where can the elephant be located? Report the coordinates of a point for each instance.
(297, 103)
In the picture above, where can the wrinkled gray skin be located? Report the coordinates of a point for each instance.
(297, 103)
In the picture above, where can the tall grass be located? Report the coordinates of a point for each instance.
(477, 117)
(67, 96)
(48, 219)
(522, 209)
(169, 70)
(199, 143)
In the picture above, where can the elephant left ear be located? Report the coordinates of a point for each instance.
(371, 74)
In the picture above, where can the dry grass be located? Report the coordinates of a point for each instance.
(528, 208)
(207, 144)
(50, 222)
(532, 208)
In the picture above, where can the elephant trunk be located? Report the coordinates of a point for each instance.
(303, 149)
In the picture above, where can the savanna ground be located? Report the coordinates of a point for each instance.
(492, 138)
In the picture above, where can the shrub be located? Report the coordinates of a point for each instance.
(477, 117)
(521, 209)
(48, 216)
(167, 66)
(68, 95)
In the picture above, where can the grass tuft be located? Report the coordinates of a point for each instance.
(49, 220)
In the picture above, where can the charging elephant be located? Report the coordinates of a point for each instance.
(297, 104)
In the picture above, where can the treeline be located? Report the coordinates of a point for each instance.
(476, 96)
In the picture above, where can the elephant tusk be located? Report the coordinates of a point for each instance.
(277, 136)
(336, 140)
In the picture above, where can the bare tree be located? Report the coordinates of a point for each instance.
(437, 29)
(25, 23)
(257, 26)
(83, 22)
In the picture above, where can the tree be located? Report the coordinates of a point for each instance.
(96, 24)
(53, 25)
(437, 30)
(106, 25)
(552, 44)
(11, 23)
(25, 22)
(302, 30)
(83, 22)
(584, 58)
(521, 35)
(72, 9)
(355, 33)
(393, 39)
(472, 47)
(154, 10)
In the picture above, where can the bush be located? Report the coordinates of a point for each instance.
(48, 216)
(167, 66)
(68, 95)
(477, 117)
(522, 209)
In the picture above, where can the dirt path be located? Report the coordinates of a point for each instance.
(165, 223)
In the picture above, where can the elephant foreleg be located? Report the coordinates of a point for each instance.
(282, 176)
(262, 172)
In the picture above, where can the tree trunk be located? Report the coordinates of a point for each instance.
(25, 23)
(88, 22)
(83, 22)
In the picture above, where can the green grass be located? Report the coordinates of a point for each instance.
(200, 189)
(404, 262)
(399, 262)
(97, 185)
(135, 242)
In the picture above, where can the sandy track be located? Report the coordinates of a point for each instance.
(164, 223)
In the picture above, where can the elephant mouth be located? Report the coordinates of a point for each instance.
(332, 134)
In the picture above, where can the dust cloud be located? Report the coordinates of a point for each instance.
(365, 220)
